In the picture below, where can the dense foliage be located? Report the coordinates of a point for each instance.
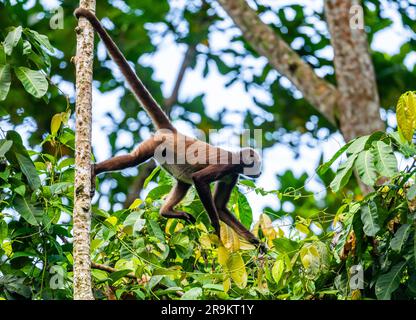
(315, 251)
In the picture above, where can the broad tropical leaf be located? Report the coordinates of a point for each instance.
(5, 146)
(229, 237)
(366, 167)
(324, 167)
(344, 174)
(245, 214)
(5, 81)
(237, 270)
(29, 170)
(406, 114)
(12, 39)
(369, 217)
(387, 283)
(385, 160)
(27, 210)
(34, 81)
(400, 237)
(277, 270)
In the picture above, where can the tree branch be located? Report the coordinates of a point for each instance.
(319, 93)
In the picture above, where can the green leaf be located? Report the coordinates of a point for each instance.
(119, 274)
(369, 217)
(27, 47)
(385, 160)
(324, 167)
(358, 145)
(41, 39)
(34, 81)
(27, 210)
(344, 174)
(400, 237)
(150, 177)
(245, 213)
(366, 167)
(4, 230)
(388, 283)
(5, 146)
(5, 81)
(192, 294)
(277, 270)
(29, 170)
(12, 40)
(406, 115)
(237, 268)
(155, 230)
(286, 246)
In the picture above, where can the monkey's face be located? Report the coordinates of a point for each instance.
(251, 162)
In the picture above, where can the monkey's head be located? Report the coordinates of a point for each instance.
(251, 162)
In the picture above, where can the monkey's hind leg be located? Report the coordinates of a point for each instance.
(223, 189)
(175, 196)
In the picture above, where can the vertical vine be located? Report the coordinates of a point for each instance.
(82, 202)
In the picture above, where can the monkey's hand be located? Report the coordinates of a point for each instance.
(262, 248)
(93, 175)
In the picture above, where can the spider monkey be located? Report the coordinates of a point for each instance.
(217, 164)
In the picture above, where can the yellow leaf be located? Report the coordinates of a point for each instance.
(136, 203)
(222, 256)
(267, 227)
(205, 241)
(227, 284)
(245, 245)
(111, 220)
(302, 228)
(237, 270)
(229, 238)
(406, 115)
(356, 294)
(56, 123)
(201, 227)
(256, 229)
(7, 247)
(277, 270)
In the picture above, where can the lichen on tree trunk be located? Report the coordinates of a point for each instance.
(82, 203)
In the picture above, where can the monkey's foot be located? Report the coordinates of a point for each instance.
(179, 215)
(262, 248)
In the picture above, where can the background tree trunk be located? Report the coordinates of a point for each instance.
(354, 103)
(82, 203)
(359, 103)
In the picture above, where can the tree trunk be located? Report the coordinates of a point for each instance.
(319, 93)
(359, 104)
(82, 202)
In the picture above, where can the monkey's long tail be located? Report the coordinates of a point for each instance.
(158, 116)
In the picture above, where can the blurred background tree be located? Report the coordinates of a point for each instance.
(280, 54)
